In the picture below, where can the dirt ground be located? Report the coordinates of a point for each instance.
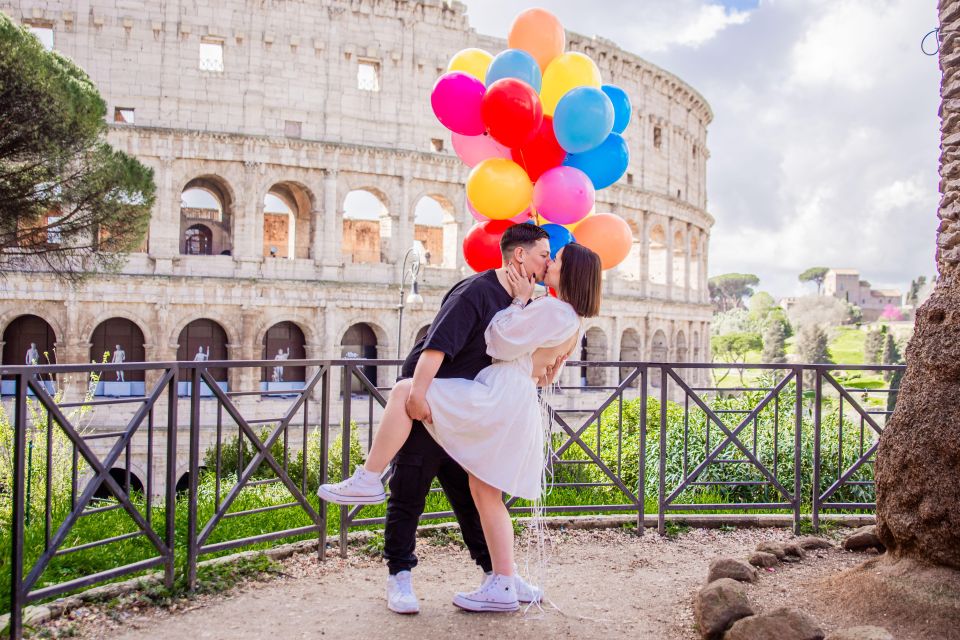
(605, 584)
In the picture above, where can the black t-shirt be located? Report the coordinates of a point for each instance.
(458, 329)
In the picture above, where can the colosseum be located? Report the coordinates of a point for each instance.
(297, 160)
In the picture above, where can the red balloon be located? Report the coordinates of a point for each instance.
(512, 111)
(481, 246)
(541, 153)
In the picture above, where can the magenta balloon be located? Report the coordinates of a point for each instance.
(475, 149)
(479, 217)
(563, 195)
(456, 102)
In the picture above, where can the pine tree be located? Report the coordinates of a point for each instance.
(873, 346)
(812, 343)
(774, 351)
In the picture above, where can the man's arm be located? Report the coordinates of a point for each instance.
(427, 367)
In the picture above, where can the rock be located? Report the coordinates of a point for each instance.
(779, 624)
(809, 543)
(862, 539)
(731, 568)
(718, 605)
(772, 547)
(861, 633)
(763, 559)
(794, 550)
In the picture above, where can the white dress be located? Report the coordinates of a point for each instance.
(492, 425)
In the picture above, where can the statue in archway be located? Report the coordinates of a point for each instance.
(200, 355)
(278, 370)
(119, 357)
(33, 356)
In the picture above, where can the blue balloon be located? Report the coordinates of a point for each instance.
(515, 63)
(621, 106)
(559, 237)
(605, 164)
(583, 119)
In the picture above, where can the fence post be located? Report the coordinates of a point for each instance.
(642, 475)
(815, 490)
(192, 470)
(20, 442)
(797, 452)
(661, 508)
(324, 454)
(171, 475)
(347, 379)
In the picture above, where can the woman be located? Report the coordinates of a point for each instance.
(492, 425)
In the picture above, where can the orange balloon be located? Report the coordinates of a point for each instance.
(608, 235)
(539, 33)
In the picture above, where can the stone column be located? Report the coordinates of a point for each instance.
(247, 223)
(332, 254)
(704, 289)
(163, 242)
(687, 293)
(669, 267)
(644, 274)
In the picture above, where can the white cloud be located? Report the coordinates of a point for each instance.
(707, 22)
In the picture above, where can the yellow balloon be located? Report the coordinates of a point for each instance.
(567, 71)
(499, 188)
(472, 61)
(573, 225)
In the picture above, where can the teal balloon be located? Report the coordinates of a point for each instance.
(605, 164)
(560, 237)
(515, 63)
(583, 119)
(621, 106)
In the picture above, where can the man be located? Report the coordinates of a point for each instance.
(454, 347)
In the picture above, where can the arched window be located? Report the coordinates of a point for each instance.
(203, 340)
(28, 339)
(593, 348)
(679, 261)
(658, 353)
(283, 341)
(657, 262)
(360, 341)
(198, 241)
(436, 229)
(118, 340)
(287, 222)
(366, 222)
(630, 351)
(206, 218)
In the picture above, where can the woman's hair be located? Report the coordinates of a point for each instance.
(580, 281)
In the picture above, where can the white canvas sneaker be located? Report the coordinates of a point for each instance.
(526, 592)
(400, 595)
(497, 593)
(363, 487)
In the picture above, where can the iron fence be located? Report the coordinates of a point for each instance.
(634, 437)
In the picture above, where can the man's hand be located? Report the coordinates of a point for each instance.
(417, 407)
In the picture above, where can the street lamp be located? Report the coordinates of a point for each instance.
(414, 299)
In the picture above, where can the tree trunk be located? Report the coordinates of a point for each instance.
(918, 462)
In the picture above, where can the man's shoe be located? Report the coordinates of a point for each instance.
(526, 592)
(363, 487)
(400, 595)
(496, 594)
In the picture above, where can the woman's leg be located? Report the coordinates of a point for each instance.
(497, 527)
(394, 428)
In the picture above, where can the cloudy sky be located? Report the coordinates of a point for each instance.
(825, 137)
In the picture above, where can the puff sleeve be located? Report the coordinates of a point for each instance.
(545, 322)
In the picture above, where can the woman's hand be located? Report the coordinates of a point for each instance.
(521, 285)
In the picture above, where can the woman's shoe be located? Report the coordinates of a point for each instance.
(498, 593)
(363, 487)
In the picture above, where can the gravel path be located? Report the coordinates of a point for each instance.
(606, 583)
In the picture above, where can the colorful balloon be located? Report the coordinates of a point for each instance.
(566, 72)
(583, 119)
(515, 63)
(607, 234)
(560, 237)
(512, 112)
(563, 195)
(605, 164)
(500, 189)
(539, 33)
(456, 100)
(472, 61)
(481, 245)
(621, 106)
(541, 153)
(475, 149)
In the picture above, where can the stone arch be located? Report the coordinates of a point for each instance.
(91, 323)
(630, 350)
(366, 224)
(119, 474)
(288, 338)
(305, 325)
(659, 352)
(104, 339)
(288, 220)
(226, 323)
(435, 226)
(29, 336)
(207, 211)
(593, 347)
(629, 269)
(695, 342)
(681, 348)
(360, 340)
(678, 278)
(657, 255)
(206, 334)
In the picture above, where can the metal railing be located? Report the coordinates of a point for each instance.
(633, 437)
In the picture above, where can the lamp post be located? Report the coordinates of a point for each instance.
(414, 299)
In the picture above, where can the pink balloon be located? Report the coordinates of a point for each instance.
(479, 217)
(475, 149)
(456, 102)
(563, 195)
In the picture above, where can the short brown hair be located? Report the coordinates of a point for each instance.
(580, 279)
(521, 235)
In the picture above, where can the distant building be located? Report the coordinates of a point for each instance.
(845, 284)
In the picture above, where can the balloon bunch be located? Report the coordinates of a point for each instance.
(542, 135)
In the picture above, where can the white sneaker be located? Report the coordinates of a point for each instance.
(400, 595)
(526, 592)
(363, 487)
(496, 594)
